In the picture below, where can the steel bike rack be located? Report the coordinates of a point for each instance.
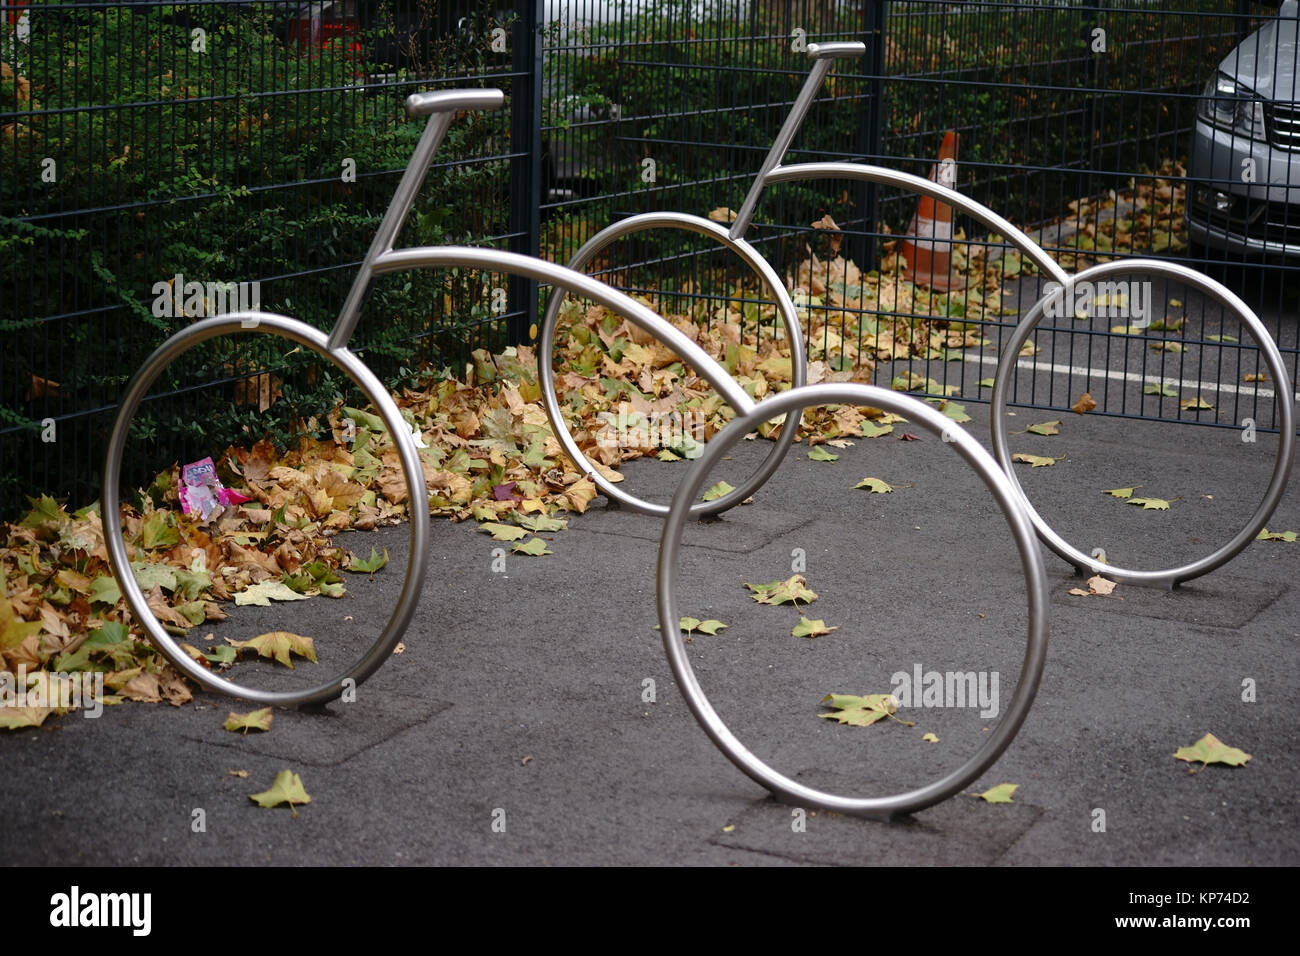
(381, 259)
(790, 401)
(772, 172)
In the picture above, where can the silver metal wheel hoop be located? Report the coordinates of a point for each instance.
(1031, 562)
(785, 306)
(1281, 389)
(363, 378)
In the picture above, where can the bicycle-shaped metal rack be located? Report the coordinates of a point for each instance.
(1017, 507)
(382, 259)
(771, 173)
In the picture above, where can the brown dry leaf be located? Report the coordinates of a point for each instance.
(580, 494)
(164, 612)
(143, 687)
(1096, 585)
(1085, 404)
(1099, 585)
(27, 654)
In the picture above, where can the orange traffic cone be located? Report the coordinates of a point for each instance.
(927, 250)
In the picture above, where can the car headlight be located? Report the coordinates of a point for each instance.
(1227, 104)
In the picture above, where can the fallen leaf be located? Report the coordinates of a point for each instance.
(1195, 404)
(1085, 404)
(930, 739)
(369, 565)
(1266, 535)
(1150, 504)
(793, 589)
(1121, 492)
(1045, 428)
(690, 624)
(820, 454)
(238, 773)
(1036, 461)
(875, 486)
(542, 523)
(717, 491)
(503, 532)
(253, 720)
(999, 794)
(15, 718)
(1156, 388)
(1099, 585)
(287, 788)
(1210, 749)
(872, 430)
(267, 591)
(534, 547)
(279, 645)
(861, 711)
(14, 630)
(808, 627)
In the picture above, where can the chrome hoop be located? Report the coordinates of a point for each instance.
(793, 332)
(365, 380)
(1170, 577)
(1031, 562)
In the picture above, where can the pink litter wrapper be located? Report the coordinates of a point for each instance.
(202, 493)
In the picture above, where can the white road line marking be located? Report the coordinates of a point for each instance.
(1054, 368)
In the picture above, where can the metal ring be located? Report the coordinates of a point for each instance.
(1031, 562)
(793, 332)
(1282, 393)
(365, 380)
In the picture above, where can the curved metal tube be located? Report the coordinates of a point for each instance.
(470, 257)
(891, 177)
(794, 334)
(1030, 558)
(364, 379)
(1170, 577)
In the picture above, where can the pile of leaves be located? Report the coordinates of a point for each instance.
(487, 452)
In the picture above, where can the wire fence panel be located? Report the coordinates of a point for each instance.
(159, 161)
(162, 161)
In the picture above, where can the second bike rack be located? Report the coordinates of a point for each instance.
(1061, 283)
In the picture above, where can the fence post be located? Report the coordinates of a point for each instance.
(525, 166)
(872, 131)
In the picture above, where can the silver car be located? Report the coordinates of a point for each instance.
(1244, 172)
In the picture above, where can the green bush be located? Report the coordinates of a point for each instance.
(133, 151)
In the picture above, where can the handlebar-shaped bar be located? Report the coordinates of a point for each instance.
(453, 101)
(836, 51)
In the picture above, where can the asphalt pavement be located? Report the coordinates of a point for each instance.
(531, 717)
